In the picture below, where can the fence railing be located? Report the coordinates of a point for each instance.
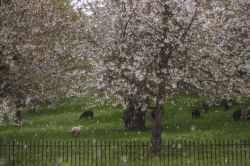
(119, 153)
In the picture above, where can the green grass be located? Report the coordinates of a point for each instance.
(54, 122)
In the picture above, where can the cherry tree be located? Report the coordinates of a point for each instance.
(153, 48)
(37, 46)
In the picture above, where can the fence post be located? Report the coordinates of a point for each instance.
(228, 153)
(75, 150)
(38, 149)
(22, 153)
(109, 152)
(211, 152)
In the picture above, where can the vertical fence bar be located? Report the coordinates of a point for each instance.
(198, 152)
(164, 153)
(105, 149)
(59, 152)
(5, 151)
(241, 152)
(190, 152)
(96, 151)
(168, 153)
(203, 150)
(172, 151)
(144, 152)
(42, 151)
(13, 152)
(63, 159)
(186, 154)
(147, 148)
(224, 152)
(22, 153)
(88, 153)
(232, 152)
(245, 147)
(194, 148)
(112, 152)
(101, 152)
(30, 147)
(71, 152)
(75, 151)
(207, 152)
(8, 148)
(17, 154)
(228, 152)
(34, 151)
(215, 152)
(54, 152)
(79, 152)
(46, 152)
(1, 154)
(38, 149)
(139, 151)
(219, 153)
(236, 147)
(50, 153)
(109, 153)
(248, 150)
(182, 153)
(211, 152)
(127, 153)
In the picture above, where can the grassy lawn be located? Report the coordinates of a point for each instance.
(54, 122)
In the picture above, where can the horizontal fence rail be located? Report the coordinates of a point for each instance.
(107, 153)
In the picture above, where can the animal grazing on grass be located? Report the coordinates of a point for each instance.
(76, 131)
(248, 113)
(205, 107)
(33, 110)
(195, 113)
(87, 114)
(237, 115)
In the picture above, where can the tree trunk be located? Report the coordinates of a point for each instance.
(156, 140)
(156, 131)
(134, 120)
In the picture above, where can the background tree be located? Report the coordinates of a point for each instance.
(37, 46)
(155, 48)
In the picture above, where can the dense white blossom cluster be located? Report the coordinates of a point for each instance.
(154, 48)
(38, 41)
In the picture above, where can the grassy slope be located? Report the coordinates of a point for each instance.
(55, 122)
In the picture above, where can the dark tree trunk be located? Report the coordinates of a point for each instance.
(156, 131)
(138, 122)
(134, 119)
(156, 140)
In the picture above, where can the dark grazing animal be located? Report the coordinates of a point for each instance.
(237, 115)
(87, 114)
(33, 110)
(195, 113)
(205, 107)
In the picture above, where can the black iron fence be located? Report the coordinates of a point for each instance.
(119, 153)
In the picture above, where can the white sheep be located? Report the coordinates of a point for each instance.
(76, 131)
